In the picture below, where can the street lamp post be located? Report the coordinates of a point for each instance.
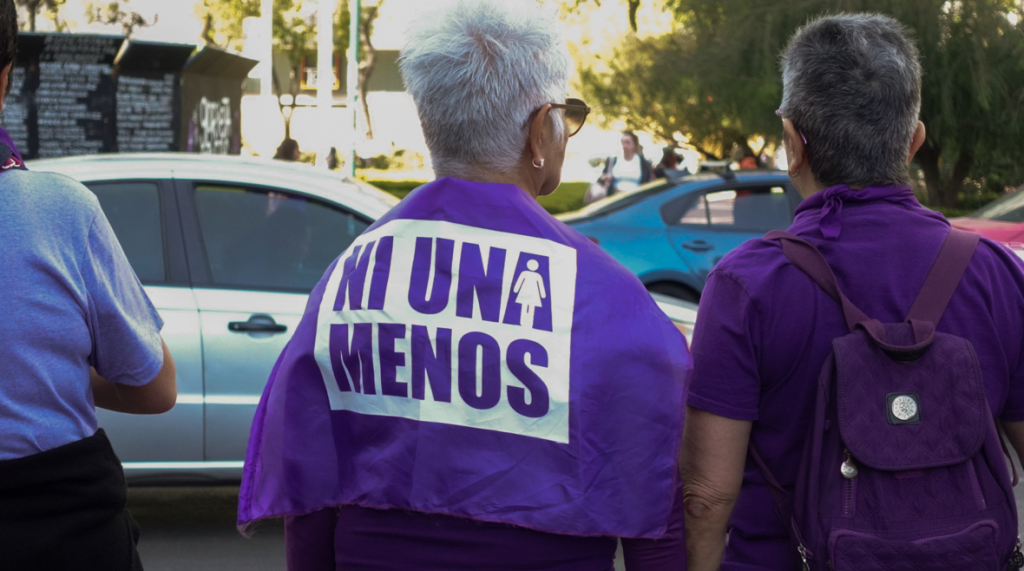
(352, 82)
(267, 33)
(325, 72)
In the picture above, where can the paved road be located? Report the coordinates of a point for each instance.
(193, 529)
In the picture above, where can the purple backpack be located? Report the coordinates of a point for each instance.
(903, 466)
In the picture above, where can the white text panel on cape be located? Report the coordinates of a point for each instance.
(441, 322)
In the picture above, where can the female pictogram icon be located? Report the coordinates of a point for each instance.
(530, 292)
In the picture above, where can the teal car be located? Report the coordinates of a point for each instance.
(672, 233)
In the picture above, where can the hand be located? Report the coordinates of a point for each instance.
(605, 177)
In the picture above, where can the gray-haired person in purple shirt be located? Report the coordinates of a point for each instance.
(851, 100)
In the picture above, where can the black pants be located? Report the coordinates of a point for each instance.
(65, 509)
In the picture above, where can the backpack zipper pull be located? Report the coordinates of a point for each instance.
(848, 469)
(803, 557)
(1017, 558)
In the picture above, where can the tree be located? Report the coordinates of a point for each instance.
(49, 7)
(973, 96)
(116, 13)
(631, 6)
(723, 81)
(294, 31)
(674, 87)
(367, 53)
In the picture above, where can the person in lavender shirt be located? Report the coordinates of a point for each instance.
(79, 333)
(526, 414)
(851, 99)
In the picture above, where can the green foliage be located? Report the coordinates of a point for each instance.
(50, 10)
(118, 13)
(631, 8)
(294, 35)
(398, 188)
(566, 198)
(716, 80)
(671, 84)
(294, 24)
(972, 96)
(399, 160)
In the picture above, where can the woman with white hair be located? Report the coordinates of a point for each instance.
(475, 385)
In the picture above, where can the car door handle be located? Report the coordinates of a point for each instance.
(259, 323)
(698, 246)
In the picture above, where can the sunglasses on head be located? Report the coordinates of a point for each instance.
(576, 112)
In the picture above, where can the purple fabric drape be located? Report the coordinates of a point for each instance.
(470, 355)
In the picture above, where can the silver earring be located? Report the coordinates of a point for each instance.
(538, 166)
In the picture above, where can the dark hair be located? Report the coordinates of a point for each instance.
(8, 33)
(286, 150)
(636, 140)
(669, 157)
(852, 86)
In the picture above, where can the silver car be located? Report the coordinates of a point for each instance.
(228, 249)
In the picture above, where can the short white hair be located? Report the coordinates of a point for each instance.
(477, 70)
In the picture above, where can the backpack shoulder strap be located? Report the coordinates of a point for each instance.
(943, 278)
(810, 261)
(781, 498)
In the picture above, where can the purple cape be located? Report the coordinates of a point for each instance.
(470, 355)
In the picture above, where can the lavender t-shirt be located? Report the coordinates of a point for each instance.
(71, 300)
(765, 330)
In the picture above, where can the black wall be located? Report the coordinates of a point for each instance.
(83, 94)
(63, 96)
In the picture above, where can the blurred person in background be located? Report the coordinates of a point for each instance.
(626, 172)
(79, 333)
(742, 157)
(333, 162)
(449, 426)
(669, 166)
(288, 150)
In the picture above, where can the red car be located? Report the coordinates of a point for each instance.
(1001, 220)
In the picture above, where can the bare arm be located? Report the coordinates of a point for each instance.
(713, 457)
(154, 397)
(1015, 434)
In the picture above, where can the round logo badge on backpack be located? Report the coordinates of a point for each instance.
(903, 408)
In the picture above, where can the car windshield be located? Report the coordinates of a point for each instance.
(621, 200)
(1009, 208)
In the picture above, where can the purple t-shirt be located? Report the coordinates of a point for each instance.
(765, 330)
(71, 301)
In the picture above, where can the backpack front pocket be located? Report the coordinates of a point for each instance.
(970, 549)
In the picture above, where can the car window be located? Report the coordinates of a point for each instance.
(133, 209)
(623, 200)
(1009, 208)
(758, 209)
(271, 240)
